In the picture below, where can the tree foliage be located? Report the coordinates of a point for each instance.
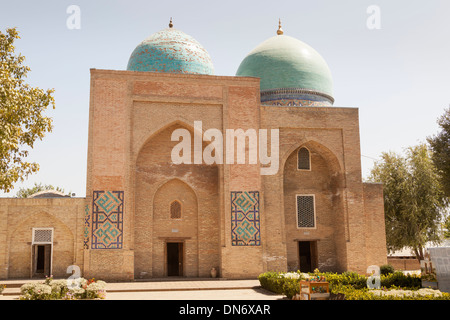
(446, 228)
(26, 192)
(413, 198)
(440, 144)
(22, 119)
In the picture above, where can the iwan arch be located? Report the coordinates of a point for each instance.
(145, 217)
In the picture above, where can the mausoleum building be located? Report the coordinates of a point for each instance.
(146, 215)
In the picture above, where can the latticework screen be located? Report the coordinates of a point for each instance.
(175, 210)
(42, 235)
(305, 212)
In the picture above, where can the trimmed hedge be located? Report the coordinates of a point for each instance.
(386, 269)
(353, 285)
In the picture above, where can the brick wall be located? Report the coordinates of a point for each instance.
(20, 216)
(375, 227)
(404, 263)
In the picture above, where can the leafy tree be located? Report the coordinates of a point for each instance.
(22, 119)
(440, 144)
(413, 198)
(446, 228)
(26, 192)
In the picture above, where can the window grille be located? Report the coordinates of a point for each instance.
(305, 212)
(43, 236)
(304, 159)
(175, 210)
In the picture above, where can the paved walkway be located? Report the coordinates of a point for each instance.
(168, 289)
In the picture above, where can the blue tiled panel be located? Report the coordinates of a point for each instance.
(87, 219)
(245, 219)
(107, 220)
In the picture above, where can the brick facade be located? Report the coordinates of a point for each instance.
(131, 183)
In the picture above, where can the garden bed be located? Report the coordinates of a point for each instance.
(394, 286)
(75, 289)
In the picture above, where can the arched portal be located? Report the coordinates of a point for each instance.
(313, 209)
(24, 247)
(163, 188)
(175, 241)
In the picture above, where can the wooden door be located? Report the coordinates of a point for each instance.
(307, 253)
(174, 259)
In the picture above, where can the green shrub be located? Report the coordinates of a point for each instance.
(291, 288)
(391, 294)
(281, 283)
(386, 269)
(272, 282)
(398, 279)
(350, 278)
(395, 286)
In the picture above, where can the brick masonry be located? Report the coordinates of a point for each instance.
(132, 116)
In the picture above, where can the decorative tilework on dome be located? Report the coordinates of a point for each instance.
(173, 51)
(290, 70)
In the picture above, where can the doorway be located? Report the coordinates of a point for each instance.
(307, 253)
(42, 260)
(174, 259)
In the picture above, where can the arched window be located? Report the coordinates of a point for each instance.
(303, 159)
(175, 210)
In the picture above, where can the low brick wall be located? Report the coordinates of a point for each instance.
(404, 263)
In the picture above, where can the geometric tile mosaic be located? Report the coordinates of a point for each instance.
(245, 218)
(107, 220)
(87, 218)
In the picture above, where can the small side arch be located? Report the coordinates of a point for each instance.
(20, 245)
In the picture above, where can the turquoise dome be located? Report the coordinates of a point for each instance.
(291, 72)
(173, 51)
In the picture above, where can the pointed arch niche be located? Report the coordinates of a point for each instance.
(21, 246)
(174, 203)
(312, 171)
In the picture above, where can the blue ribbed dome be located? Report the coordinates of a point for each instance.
(173, 51)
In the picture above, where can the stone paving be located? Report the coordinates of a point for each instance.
(176, 289)
(219, 294)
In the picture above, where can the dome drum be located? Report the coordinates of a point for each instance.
(295, 97)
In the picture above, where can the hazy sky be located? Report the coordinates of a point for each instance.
(398, 76)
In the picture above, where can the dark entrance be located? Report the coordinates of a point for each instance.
(307, 253)
(174, 259)
(42, 260)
